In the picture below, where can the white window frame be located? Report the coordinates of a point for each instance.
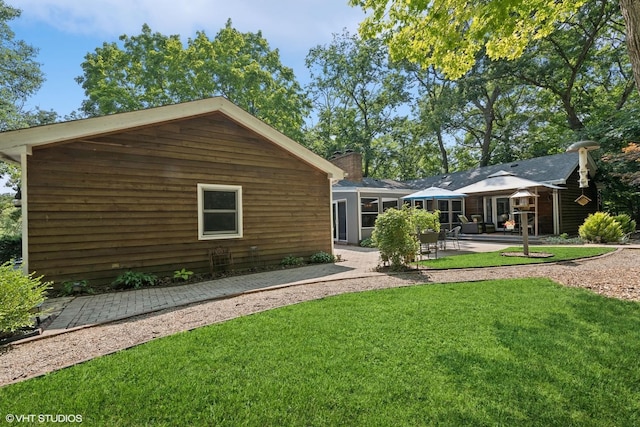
(219, 235)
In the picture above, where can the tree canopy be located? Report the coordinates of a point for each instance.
(449, 34)
(152, 69)
(20, 75)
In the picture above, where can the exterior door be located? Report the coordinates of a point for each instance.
(498, 210)
(340, 220)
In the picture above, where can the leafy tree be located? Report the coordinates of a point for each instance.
(449, 34)
(437, 98)
(20, 75)
(356, 91)
(152, 69)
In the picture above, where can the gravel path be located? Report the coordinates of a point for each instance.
(614, 275)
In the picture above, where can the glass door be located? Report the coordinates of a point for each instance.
(340, 220)
(497, 210)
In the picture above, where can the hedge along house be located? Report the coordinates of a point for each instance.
(156, 190)
(357, 201)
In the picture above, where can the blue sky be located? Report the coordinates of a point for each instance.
(64, 31)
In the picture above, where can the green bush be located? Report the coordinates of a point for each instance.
(626, 223)
(19, 294)
(292, 261)
(183, 274)
(10, 248)
(135, 280)
(322, 258)
(395, 233)
(600, 227)
(367, 243)
(76, 287)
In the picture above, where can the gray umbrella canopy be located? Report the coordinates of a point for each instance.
(435, 193)
(503, 181)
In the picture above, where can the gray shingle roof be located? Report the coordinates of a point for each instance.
(553, 169)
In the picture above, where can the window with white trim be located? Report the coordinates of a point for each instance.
(219, 211)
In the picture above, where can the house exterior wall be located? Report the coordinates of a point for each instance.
(572, 214)
(128, 201)
(355, 230)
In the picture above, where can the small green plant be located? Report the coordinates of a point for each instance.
(183, 274)
(135, 280)
(600, 227)
(322, 258)
(76, 287)
(367, 243)
(19, 294)
(626, 223)
(292, 261)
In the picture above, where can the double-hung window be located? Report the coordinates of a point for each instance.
(219, 211)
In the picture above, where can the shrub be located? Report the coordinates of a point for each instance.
(183, 274)
(292, 261)
(322, 258)
(76, 287)
(10, 248)
(367, 243)
(600, 227)
(135, 280)
(626, 223)
(19, 294)
(395, 233)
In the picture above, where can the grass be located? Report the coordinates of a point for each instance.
(524, 352)
(495, 259)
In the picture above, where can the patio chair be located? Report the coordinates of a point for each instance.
(469, 227)
(442, 238)
(453, 236)
(428, 241)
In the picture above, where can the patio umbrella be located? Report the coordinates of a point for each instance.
(503, 181)
(435, 193)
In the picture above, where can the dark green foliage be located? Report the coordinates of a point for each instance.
(76, 287)
(322, 258)
(367, 243)
(292, 261)
(10, 248)
(135, 280)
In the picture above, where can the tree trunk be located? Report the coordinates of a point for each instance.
(631, 12)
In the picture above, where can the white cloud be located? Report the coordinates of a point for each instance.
(298, 24)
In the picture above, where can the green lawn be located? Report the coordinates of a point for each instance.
(507, 352)
(495, 259)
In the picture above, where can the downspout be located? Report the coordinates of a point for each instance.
(24, 189)
(333, 226)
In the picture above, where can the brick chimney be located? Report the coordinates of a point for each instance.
(350, 162)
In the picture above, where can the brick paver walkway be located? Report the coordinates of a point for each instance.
(95, 309)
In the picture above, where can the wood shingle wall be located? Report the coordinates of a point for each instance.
(128, 201)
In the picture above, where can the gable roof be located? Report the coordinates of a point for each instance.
(554, 169)
(13, 143)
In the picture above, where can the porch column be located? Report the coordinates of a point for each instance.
(556, 212)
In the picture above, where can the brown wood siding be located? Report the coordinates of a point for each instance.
(128, 201)
(572, 214)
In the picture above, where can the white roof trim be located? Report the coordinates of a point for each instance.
(12, 142)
